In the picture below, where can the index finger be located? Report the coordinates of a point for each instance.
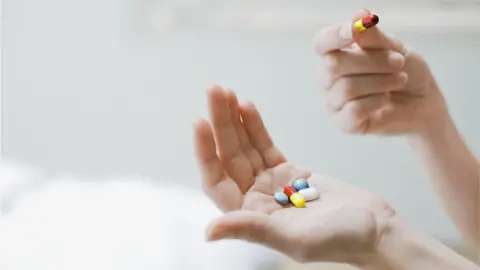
(334, 37)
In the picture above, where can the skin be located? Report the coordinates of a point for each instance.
(247, 171)
(376, 85)
(242, 168)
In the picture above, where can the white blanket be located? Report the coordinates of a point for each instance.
(127, 223)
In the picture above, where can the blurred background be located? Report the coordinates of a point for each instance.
(102, 87)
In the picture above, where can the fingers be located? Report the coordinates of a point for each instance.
(235, 163)
(340, 36)
(350, 88)
(223, 191)
(374, 38)
(351, 62)
(354, 116)
(249, 151)
(259, 136)
(332, 38)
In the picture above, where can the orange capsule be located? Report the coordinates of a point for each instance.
(366, 22)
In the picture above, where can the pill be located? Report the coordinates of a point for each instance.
(297, 200)
(309, 194)
(300, 184)
(289, 190)
(281, 198)
(366, 22)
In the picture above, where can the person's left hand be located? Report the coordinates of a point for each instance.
(242, 168)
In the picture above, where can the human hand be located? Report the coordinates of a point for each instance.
(375, 84)
(242, 168)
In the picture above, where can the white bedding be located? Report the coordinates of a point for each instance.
(115, 223)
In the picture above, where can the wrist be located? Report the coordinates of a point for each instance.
(436, 129)
(387, 246)
(436, 118)
(402, 248)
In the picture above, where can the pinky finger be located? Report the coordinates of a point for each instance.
(354, 116)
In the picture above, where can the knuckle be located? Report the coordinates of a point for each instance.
(327, 104)
(324, 80)
(332, 64)
(356, 110)
(347, 126)
(344, 89)
(349, 91)
(352, 116)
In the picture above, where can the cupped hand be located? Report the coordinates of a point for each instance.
(242, 168)
(375, 84)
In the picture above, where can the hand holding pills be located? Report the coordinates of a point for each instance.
(267, 200)
(298, 194)
(373, 83)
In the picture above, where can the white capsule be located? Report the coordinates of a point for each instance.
(309, 194)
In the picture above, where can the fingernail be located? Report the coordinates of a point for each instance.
(345, 31)
(396, 60)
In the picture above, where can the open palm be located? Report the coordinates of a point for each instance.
(242, 168)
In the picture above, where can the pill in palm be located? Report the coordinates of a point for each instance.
(289, 190)
(309, 194)
(281, 198)
(297, 199)
(300, 184)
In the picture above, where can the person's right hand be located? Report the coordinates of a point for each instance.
(374, 84)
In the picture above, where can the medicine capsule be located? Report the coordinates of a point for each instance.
(297, 199)
(300, 184)
(281, 198)
(309, 194)
(289, 191)
(366, 22)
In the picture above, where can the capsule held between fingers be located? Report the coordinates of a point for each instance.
(366, 22)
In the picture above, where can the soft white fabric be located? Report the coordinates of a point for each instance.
(127, 223)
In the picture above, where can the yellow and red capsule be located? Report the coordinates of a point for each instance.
(296, 199)
(366, 22)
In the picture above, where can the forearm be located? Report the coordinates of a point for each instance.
(454, 172)
(402, 248)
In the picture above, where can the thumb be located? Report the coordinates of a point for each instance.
(242, 225)
(374, 38)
